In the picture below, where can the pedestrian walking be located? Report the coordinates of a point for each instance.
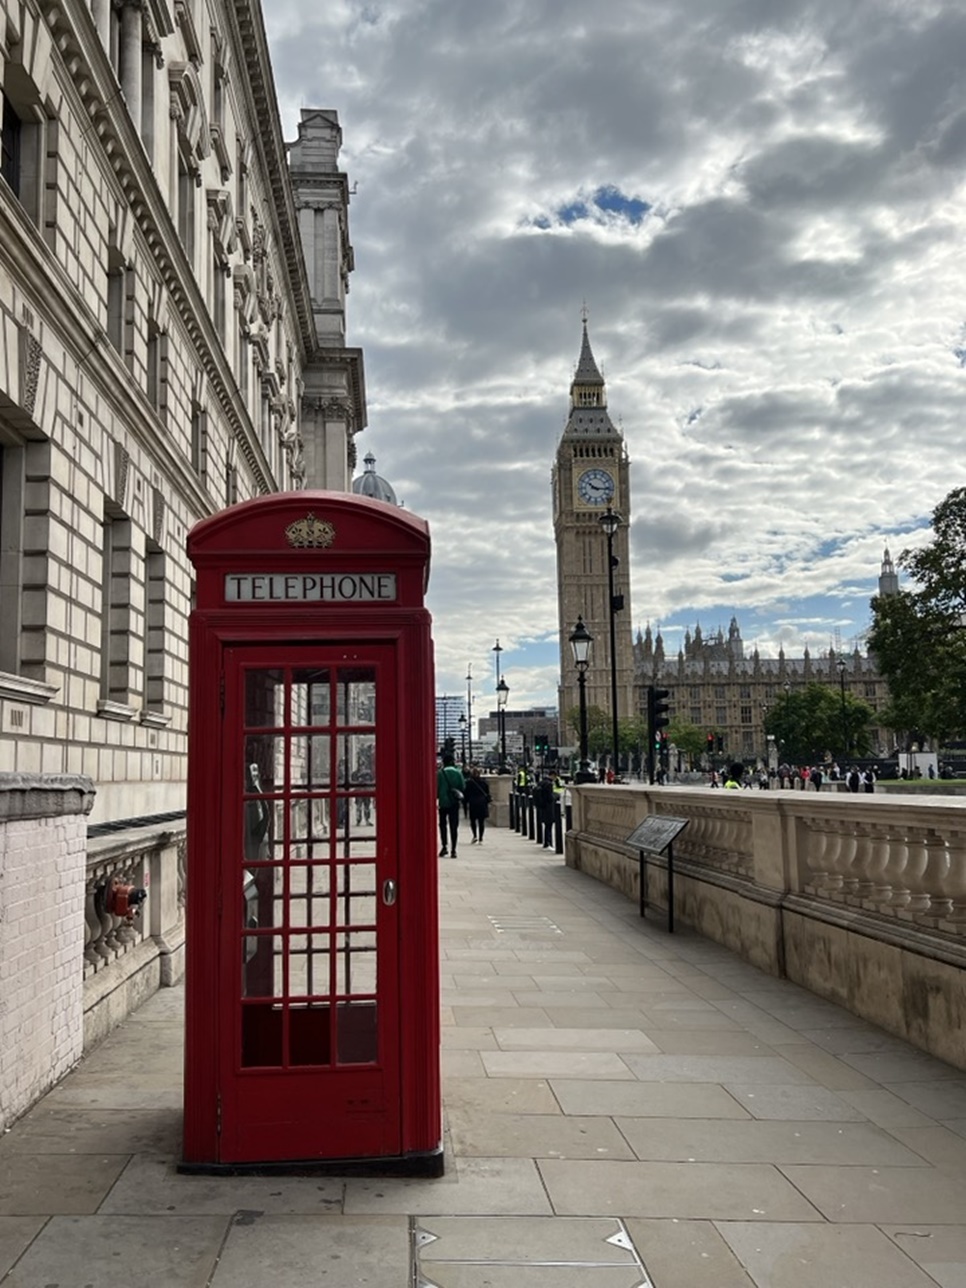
(545, 801)
(868, 781)
(852, 779)
(450, 787)
(477, 793)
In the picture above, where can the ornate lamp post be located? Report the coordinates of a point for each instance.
(764, 731)
(502, 693)
(469, 706)
(840, 666)
(462, 724)
(610, 521)
(580, 642)
(496, 650)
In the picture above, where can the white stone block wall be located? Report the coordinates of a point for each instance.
(43, 850)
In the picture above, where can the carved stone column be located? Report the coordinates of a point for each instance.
(132, 40)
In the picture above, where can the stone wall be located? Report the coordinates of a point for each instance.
(861, 899)
(43, 836)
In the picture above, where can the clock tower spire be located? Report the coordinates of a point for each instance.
(591, 475)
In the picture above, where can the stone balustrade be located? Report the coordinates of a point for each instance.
(900, 857)
(127, 957)
(860, 897)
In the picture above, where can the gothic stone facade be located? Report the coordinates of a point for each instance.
(713, 685)
(591, 473)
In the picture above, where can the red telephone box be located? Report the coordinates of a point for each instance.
(312, 985)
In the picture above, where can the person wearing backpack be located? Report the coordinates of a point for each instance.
(449, 797)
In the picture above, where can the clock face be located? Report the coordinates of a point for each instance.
(595, 487)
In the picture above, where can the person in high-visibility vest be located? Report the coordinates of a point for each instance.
(733, 779)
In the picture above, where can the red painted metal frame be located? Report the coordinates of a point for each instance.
(275, 1113)
(370, 536)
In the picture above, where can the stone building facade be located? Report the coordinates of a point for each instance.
(172, 341)
(712, 684)
(711, 681)
(167, 348)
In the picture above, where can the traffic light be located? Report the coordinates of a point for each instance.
(657, 712)
(657, 708)
(721, 742)
(657, 720)
(710, 741)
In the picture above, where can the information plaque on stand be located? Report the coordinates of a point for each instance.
(652, 837)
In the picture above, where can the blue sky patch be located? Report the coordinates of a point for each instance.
(606, 200)
(614, 201)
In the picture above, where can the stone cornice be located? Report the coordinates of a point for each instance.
(266, 125)
(350, 360)
(25, 796)
(19, 688)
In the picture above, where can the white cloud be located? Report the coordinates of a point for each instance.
(782, 333)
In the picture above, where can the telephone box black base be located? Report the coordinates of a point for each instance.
(425, 1164)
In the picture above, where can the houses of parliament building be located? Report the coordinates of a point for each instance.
(713, 683)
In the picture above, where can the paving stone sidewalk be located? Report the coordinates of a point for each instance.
(624, 1109)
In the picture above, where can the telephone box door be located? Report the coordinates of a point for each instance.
(309, 1045)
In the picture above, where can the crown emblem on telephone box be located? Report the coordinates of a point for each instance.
(310, 533)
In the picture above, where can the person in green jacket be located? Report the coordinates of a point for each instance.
(449, 797)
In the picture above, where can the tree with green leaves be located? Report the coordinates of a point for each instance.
(918, 636)
(598, 729)
(688, 739)
(809, 723)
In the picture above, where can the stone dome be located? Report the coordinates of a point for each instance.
(372, 484)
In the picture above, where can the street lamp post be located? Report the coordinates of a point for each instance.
(610, 521)
(502, 693)
(580, 642)
(469, 707)
(840, 665)
(764, 731)
(462, 724)
(496, 650)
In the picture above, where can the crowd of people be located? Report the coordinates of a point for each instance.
(796, 777)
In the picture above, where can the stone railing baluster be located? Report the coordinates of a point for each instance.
(927, 862)
(952, 883)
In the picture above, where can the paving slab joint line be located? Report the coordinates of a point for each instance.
(420, 1238)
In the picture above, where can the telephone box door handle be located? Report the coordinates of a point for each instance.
(389, 892)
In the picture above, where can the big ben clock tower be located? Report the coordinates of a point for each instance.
(590, 475)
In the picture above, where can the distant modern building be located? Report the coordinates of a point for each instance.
(449, 711)
(524, 728)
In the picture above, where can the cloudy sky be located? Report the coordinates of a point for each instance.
(761, 203)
